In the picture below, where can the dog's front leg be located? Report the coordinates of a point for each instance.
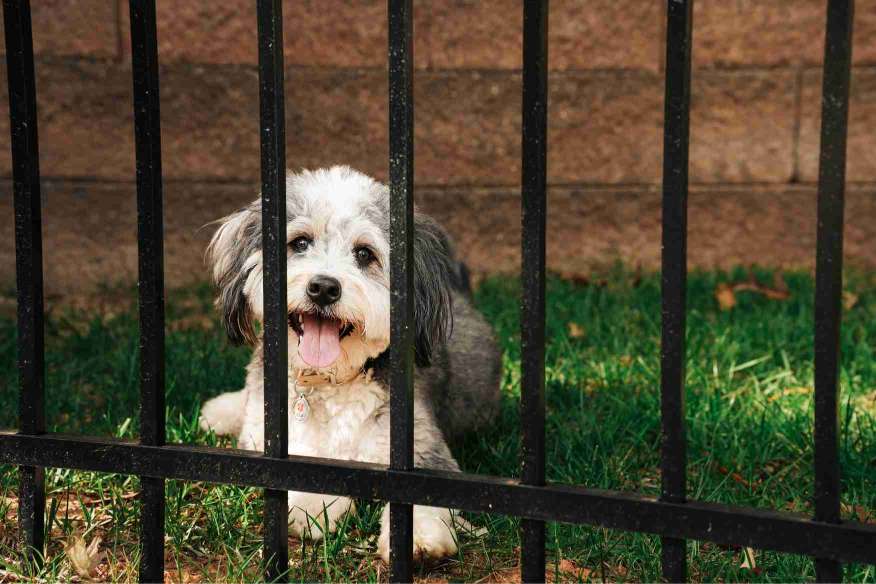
(312, 515)
(434, 533)
(224, 414)
(434, 527)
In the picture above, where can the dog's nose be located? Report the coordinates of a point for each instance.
(324, 290)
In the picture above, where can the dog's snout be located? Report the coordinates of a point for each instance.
(324, 290)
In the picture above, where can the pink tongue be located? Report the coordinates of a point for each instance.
(320, 343)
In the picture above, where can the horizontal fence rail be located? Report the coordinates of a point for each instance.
(758, 528)
(672, 516)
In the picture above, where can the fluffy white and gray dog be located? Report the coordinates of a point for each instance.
(338, 305)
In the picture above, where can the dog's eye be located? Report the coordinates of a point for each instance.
(300, 244)
(364, 256)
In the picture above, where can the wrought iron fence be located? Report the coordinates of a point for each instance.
(825, 536)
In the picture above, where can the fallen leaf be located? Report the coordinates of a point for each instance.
(864, 514)
(866, 402)
(748, 563)
(568, 566)
(725, 296)
(790, 391)
(771, 467)
(504, 576)
(725, 293)
(859, 513)
(771, 293)
(850, 299)
(183, 575)
(576, 331)
(84, 558)
(735, 476)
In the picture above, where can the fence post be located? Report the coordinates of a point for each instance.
(150, 254)
(676, 143)
(276, 380)
(532, 308)
(28, 267)
(401, 244)
(829, 268)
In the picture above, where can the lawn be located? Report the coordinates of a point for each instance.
(749, 414)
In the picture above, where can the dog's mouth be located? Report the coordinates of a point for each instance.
(319, 337)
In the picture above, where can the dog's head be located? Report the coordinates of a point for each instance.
(337, 234)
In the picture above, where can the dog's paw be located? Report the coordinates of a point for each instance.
(223, 414)
(312, 514)
(434, 533)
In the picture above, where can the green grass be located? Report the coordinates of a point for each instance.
(749, 415)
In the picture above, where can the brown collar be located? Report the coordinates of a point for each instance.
(313, 378)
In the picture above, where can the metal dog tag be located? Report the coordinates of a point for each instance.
(301, 409)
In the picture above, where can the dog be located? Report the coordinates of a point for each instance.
(338, 299)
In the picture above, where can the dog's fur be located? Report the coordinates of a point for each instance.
(458, 364)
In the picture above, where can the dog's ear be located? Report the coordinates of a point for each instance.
(236, 241)
(433, 271)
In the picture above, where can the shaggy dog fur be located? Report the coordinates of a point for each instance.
(338, 304)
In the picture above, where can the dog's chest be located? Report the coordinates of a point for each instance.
(339, 418)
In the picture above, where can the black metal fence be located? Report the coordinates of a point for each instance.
(825, 537)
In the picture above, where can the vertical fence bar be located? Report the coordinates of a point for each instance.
(829, 268)
(150, 239)
(676, 142)
(273, 157)
(532, 317)
(401, 242)
(28, 264)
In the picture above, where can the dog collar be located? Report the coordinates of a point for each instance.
(314, 378)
